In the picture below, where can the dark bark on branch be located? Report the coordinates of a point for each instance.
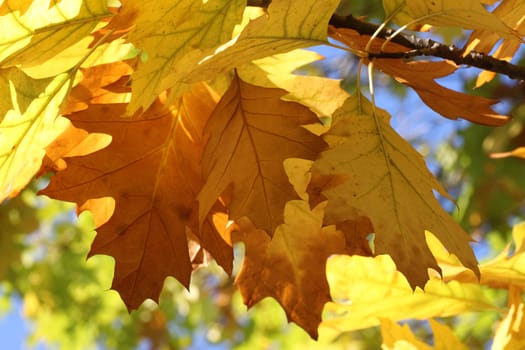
(429, 47)
(420, 47)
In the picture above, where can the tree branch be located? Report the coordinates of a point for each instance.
(420, 47)
(429, 47)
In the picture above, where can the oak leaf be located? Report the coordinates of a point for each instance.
(467, 14)
(175, 37)
(503, 271)
(511, 12)
(252, 131)
(35, 32)
(397, 337)
(29, 121)
(510, 332)
(287, 25)
(366, 289)
(141, 190)
(401, 337)
(290, 266)
(322, 95)
(388, 182)
(421, 75)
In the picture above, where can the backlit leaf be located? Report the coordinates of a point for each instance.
(290, 266)
(510, 332)
(387, 181)
(444, 338)
(421, 76)
(467, 14)
(36, 31)
(288, 25)
(252, 131)
(142, 194)
(366, 289)
(511, 13)
(29, 121)
(397, 337)
(175, 36)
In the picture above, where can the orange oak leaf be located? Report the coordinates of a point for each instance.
(252, 131)
(142, 192)
(290, 266)
(421, 75)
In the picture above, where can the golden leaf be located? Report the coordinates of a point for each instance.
(29, 121)
(290, 266)
(366, 289)
(388, 182)
(421, 75)
(142, 193)
(252, 131)
(175, 37)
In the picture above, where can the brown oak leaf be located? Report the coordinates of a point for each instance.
(290, 266)
(252, 131)
(142, 191)
(421, 75)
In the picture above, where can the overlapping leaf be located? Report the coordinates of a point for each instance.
(484, 40)
(401, 337)
(510, 332)
(290, 266)
(288, 25)
(35, 31)
(467, 14)
(142, 193)
(366, 289)
(421, 75)
(321, 95)
(29, 121)
(504, 271)
(175, 36)
(397, 337)
(252, 131)
(388, 182)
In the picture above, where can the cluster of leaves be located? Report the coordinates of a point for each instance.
(181, 127)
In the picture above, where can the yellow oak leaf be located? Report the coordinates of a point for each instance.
(288, 25)
(466, 14)
(504, 271)
(252, 131)
(388, 182)
(36, 31)
(321, 95)
(444, 338)
(397, 337)
(511, 12)
(510, 334)
(421, 75)
(366, 289)
(290, 266)
(142, 193)
(400, 337)
(29, 121)
(175, 37)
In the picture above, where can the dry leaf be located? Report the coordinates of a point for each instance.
(388, 182)
(142, 194)
(290, 266)
(252, 131)
(421, 75)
